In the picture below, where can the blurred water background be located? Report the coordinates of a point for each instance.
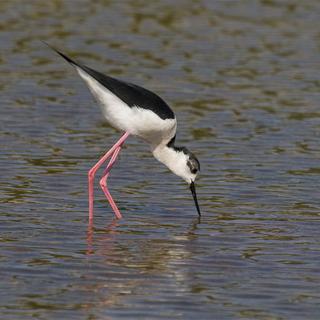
(243, 79)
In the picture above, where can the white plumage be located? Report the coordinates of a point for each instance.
(137, 121)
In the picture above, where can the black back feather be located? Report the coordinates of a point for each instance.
(131, 94)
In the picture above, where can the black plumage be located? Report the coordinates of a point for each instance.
(131, 94)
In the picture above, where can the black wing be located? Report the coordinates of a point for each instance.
(131, 94)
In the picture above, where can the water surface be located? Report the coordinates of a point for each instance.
(243, 79)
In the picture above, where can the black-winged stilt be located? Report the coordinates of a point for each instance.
(139, 112)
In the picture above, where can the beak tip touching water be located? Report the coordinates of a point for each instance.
(193, 191)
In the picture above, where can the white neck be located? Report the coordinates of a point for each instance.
(173, 159)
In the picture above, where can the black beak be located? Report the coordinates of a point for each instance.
(193, 191)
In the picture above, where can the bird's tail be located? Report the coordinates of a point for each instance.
(74, 63)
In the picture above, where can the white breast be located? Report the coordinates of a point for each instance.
(138, 121)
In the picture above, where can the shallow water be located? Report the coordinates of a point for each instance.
(243, 79)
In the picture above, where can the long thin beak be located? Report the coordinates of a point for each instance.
(193, 191)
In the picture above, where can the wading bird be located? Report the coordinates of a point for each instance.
(136, 111)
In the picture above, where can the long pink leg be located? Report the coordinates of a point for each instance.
(103, 183)
(93, 170)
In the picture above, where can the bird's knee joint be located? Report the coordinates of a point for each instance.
(103, 183)
(91, 173)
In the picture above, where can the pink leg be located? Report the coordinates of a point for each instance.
(93, 170)
(103, 183)
(112, 160)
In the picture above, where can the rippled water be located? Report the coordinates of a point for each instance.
(243, 79)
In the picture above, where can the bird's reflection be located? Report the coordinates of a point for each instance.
(110, 231)
(143, 255)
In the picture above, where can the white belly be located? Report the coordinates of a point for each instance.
(137, 121)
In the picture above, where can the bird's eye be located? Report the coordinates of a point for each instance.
(192, 166)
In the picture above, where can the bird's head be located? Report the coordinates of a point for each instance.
(187, 166)
(189, 169)
(183, 163)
